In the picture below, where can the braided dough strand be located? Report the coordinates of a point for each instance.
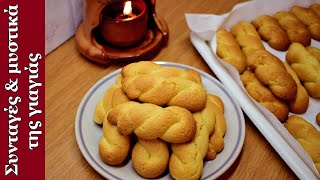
(307, 136)
(186, 161)
(270, 71)
(306, 66)
(171, 91)
(264, 96)
(148, 121)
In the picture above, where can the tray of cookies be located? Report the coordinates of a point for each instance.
(166, 121)
(268, 58)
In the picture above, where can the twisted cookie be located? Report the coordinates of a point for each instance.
(315, 8)
(171, 91)
(300, 103)
(148, 121)
(306, 66)
(296, 31)
(270, 71)
(216, 141)
(247, 37)
(113, 147)
(186, 161)
(229, 50)
(150, 157)
(307, 136)
(148, 67)
(112, 97)
(308, 18)
(271, 31)
(264, 96)
(314, 52)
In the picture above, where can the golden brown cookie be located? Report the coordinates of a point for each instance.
(113, 147)
(271, 31)
(112, 97)
(300, 103)
(264, 96)
(186, 161)
(247, 37)
(148, 67)
(216, 141)
(229, 50)
(171, 91)
(306, 66)
(296, 30)
(270, 70)
(307, 135)
(314, 51)
(308, 18)
(172, 124)
(150, 157)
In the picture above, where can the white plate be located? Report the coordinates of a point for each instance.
(88, 133)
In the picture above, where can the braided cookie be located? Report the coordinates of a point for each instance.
(247, 37)
(150, 157)
(148, 121)
(216, 141)
(306, 66)
(113, 147)
(315, 8)
(229, 50)
(296, 31)
(300, 104)
(148, 67)
(171, 91)
(271, 31)
(264, 96)
(307, 136)
(314, 52)
(186, 161)
(112, 97)
(270, 70)
(308, 18)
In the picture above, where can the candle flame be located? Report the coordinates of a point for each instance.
(127, 8)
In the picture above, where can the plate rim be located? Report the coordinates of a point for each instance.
(106, 174)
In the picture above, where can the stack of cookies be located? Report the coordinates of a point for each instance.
(165, 114)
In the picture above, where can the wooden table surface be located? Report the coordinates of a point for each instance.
(69, 76)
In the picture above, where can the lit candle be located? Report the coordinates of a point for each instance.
(124, 24)
(126, 13)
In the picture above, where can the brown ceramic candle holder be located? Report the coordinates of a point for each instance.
(123, 30)
(107, 38)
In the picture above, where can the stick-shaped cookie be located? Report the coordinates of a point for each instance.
(307, 135)
(270, 70)
(264, 96)
(315, 8)
(186, 161)
(296, 30)
(271, 31)
(306, 66)
(229, 50)
(314, 51)
(300, 103)
(112, 97)
(308, 18)
(247, 37)
(113, 147)
(216, 141)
